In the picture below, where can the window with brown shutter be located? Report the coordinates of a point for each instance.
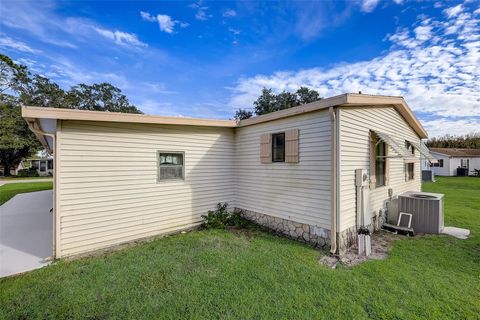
(291, 146)
(278, 147)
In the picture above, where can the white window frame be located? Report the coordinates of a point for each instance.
(159, 179)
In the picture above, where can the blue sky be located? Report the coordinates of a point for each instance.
(206, 59)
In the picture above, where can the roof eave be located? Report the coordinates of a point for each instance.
(84, 115)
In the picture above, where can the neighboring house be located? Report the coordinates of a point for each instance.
(44, 166)
(121, 177)
(13, 171)
(450, 159)
(427, 167)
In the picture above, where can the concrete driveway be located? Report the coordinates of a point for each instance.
(25, 232)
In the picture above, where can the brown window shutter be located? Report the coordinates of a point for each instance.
(291, 146)
(266, 148)
(373, 141)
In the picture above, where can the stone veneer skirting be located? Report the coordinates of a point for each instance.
(295, 230)
(310, 234)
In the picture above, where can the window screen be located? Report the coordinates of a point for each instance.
(278, 147)
(380, 166)
(171, 166)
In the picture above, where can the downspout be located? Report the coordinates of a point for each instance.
(333, 183)
(51, 135)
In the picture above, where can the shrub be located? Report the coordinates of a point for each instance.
(30, 172)
(216, 219)
(221, 218)
(237, 220)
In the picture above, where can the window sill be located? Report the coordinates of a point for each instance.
(171, 181)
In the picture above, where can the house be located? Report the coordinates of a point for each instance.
(43, 165)
(428, 175)
(13, 170)
(450, 159)
(122, 177)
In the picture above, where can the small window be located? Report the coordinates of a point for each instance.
(380, 164)
(439, 163)
(171, 166)
(410, 171)
(464, 163)
(50, 164)
(278, 147)
(43, 166)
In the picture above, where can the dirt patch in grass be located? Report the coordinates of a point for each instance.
(381, 242)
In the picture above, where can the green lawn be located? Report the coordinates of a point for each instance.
(9, 190)
(224, 275)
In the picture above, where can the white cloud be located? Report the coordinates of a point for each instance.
(229, 13)
(453, 11)
(8, 43)
(233, 31)
(423, 33)
(165, 22)
(147, 16)
(434, 65)
(201, 11)
(369, 5)
(120, 37)
(40, 20)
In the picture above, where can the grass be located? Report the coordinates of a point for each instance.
(225, 275)
(9, 190)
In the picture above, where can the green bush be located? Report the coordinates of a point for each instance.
(30, 172)
(237, 220)
(221, 218)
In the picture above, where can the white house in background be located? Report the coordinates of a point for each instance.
(44, 165)
(450, 159)
(122, 177)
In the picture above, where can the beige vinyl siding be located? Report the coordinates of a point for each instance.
(294, 191)
(355, 124)
(108, 188)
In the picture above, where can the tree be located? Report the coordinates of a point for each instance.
(266, 102)
(16, 140)
(305, 95)
(42, 92)
(99, 97)
(285, 100)
(269, 102)
(242, 114)
(469, 141)
(12, 76)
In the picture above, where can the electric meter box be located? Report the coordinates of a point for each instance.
(361, 177)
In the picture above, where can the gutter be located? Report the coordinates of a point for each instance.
(31, 126)
(333, 183)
